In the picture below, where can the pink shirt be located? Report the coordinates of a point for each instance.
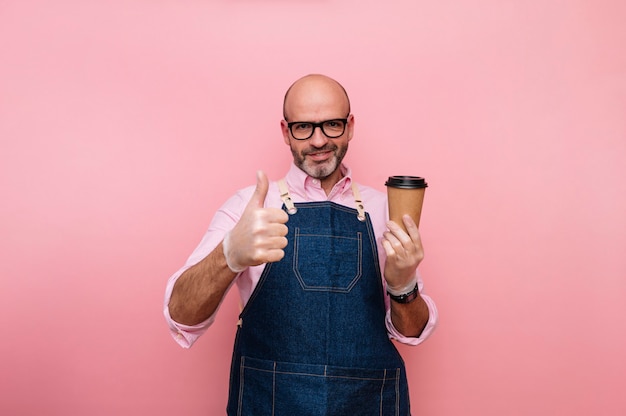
(302, 188)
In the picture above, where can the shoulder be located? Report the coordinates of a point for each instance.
(375, 202)
(239, 200)
(372, 195)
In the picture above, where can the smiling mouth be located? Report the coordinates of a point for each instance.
(320, 156)
(322, 153)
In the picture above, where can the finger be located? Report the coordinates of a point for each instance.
(411, 227)
(392, 239)
(271, 243)
(279, 242)
(389, 251)
(276, 215)
(277, 230)
(401, 248)
(274, 255)
(260, 192)
(414, 233)
(398, 232)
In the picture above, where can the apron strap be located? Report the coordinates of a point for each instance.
(291, 208)
(284, 195)
(358, 201)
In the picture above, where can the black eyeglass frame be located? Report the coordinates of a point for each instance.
(320, 125)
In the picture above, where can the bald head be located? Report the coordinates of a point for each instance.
(316, 94)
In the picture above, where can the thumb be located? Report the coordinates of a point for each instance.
(262, 185)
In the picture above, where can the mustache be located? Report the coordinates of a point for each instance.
(328, 147)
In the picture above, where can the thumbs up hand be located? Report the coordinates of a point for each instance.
(259, 236)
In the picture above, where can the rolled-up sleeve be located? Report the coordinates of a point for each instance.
(428, 330)
(433, 317)
(184, 335)
(223, 221)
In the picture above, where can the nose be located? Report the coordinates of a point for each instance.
(318, 139)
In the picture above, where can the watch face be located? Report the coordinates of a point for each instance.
(407, 297)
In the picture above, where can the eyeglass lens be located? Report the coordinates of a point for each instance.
(331, 128)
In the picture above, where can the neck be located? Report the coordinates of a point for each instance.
(330, 181)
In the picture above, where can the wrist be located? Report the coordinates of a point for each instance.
(406, 297)
(230, 262)
(398, 290)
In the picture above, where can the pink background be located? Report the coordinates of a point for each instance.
(125, 124)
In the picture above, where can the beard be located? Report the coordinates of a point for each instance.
(323, 169)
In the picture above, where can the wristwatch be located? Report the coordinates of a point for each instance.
(407, 297)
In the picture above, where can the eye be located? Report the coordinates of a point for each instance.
(334, 124)
(302, 126)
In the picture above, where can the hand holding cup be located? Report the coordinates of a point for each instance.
(405, 195)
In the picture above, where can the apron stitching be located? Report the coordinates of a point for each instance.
(372, 239)
(241, 374)
(273, 388)
(397, 392)
(257, 289)
(294, 263)
(382, 389)
(360, 263)
(324, 374)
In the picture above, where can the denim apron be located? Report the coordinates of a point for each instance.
(312, 338)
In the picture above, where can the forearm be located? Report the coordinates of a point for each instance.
(199, 290)
(410, 319)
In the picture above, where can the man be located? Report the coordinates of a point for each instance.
(312, 256)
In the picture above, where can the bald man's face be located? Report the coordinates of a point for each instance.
(316, 100)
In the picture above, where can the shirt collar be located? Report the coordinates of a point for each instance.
(301, 183)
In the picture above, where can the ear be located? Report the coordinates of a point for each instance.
(350, 127)
(285, 129)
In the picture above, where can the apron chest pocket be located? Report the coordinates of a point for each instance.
(317, 270)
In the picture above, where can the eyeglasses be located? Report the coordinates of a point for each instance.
(303, 130)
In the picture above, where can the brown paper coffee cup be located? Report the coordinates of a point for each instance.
(405, 195)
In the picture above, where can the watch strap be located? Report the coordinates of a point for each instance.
(407, 297)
